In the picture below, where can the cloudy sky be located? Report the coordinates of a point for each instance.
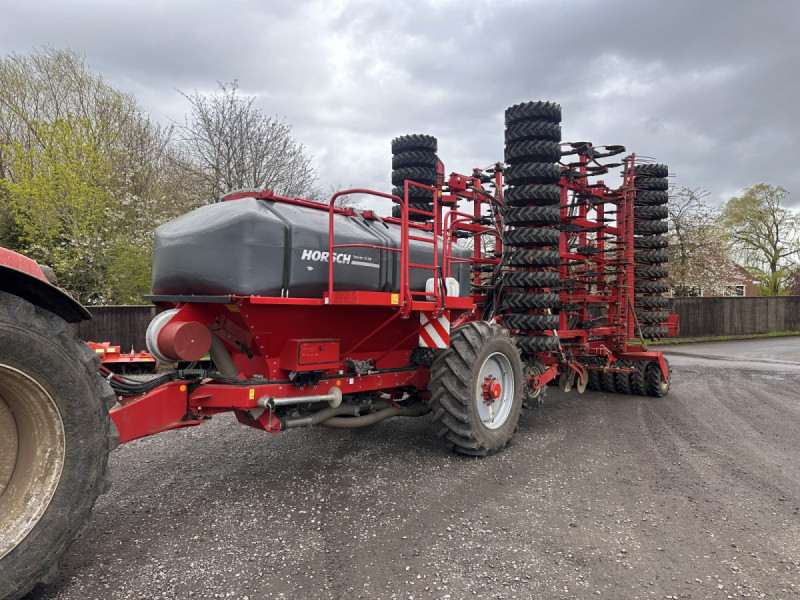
(711, 88)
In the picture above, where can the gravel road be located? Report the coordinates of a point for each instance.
(600, 495)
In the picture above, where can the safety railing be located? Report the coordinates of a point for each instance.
(405, 236)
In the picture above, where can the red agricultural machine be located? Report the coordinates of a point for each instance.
(477, 293)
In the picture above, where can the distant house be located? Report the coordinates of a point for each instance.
(725, 279)
(741, 283)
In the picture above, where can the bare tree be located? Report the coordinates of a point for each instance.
(700, 255)
(235, 145)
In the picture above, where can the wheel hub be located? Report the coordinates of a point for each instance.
(492, 389)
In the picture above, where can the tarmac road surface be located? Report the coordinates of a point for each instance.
(600, 496)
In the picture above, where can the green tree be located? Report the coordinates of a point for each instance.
(764, 234)
(60, 201)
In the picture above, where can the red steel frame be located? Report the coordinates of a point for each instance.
(381, 327)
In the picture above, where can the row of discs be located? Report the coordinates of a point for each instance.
(650, 248)
(531, 217)
(414, 158)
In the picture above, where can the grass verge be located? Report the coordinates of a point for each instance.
(722, 338)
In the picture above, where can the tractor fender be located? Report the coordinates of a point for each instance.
(24, 278)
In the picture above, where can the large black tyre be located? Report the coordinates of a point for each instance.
(537, 150)
(538, 194)
(650, 272)
(594, 382)
(50, 397)
(651, 197)
(651, 212)
(622, 381)
(533, 173)
(608, 382)
(654, 332)
(523, 322)
(531, 258)
(415, 141)
(637, 378)
(651, 256)
(415, 193)
(651, 301)
(529, 236)
(649, 317)
(650, 287)
(415, 158)
(650, 227)
(531, 344)
(651, 183)
(478, 351)
(532, 215)
(533, 279)
(653, 382)
(651, 170)
(525, 301)
(653, 242)
(413, 216)
(422, 175)
(540, 111)
(533, 130)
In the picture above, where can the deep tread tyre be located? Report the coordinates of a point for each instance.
(412, 216)
(531, 344)
(652, 316)
(533, 215)
(532, 173)
(537, 150)
(417, 174)
(533, 279)
(650, 287)
(415, 141)
(622, 381)
(50, 376)
(654, 332)
(651, 256)
(651, 183)
(654, 386)
(414, 193)
(652, 301)
(651, 212)
(650, 272)
(530, 322)
(525, 301)
(594, 382)
(415, 158)
(651, 197)
(540, 111)
(531, 237)
(651, 170)
(637, 378)
(533, 130)
(540, 195)
(650, 227)
(608, 382)
(654, 242)
(456, 387)
(531, 258)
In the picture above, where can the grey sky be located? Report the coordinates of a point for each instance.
(711, 88)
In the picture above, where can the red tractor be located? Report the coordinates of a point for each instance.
(479, 291)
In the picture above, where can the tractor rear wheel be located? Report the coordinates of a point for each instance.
(476, 389)
(55, 436)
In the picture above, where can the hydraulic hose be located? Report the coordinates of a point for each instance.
(416, 410)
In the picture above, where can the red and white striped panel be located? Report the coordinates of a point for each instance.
(435, 332)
